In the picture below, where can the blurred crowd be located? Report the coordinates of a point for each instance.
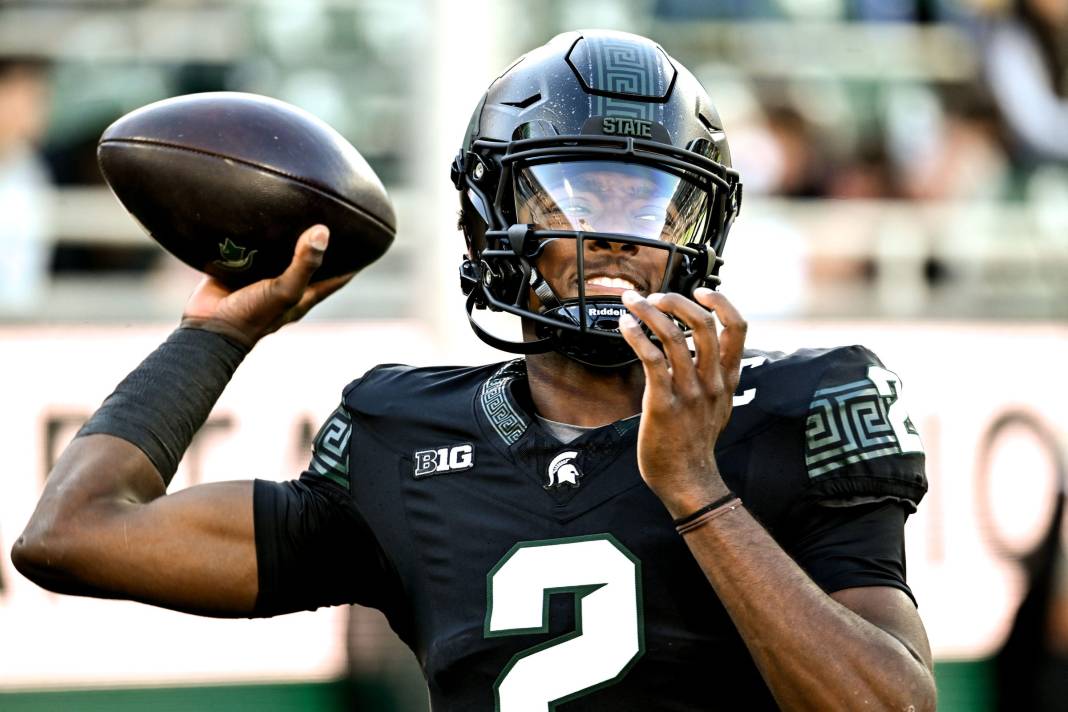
(24, 182)
(997, 133)
(983, 138)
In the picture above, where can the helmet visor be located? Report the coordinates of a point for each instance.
(611, 197)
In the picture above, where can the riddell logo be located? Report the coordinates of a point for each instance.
(605, 311)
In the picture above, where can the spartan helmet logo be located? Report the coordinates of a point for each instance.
(563, 471)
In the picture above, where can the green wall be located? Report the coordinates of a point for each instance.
(962, 687)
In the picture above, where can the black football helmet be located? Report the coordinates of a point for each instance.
(601, 139)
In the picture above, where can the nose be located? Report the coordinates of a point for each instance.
(614, 219)
(600, 243)
(613, 222)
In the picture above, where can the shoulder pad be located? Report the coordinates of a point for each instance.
(330, 449)
(397, 391)
(859, 441)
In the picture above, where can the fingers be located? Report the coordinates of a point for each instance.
(308, 255)
(719, 353)
(317, 292)
(674, 341)
(732, 338)
(654, 363)
(704, 328)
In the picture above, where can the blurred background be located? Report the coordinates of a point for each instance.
(906, 175)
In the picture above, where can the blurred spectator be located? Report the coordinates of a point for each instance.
(866, 175)
(802, 173)
(890, 10)
(1055, 678)
(777, 152)
(965, 160)
(1027, 67)
(714, 9)
(780, 153)
(921, 11)
(382, 673)
(24, 184)
(1032, 666)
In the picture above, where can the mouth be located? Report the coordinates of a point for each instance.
(608, 285)
(611, 285)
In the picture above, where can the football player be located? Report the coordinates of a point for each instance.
(637, 515)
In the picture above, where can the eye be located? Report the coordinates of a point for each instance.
(574, 208)
(650, 214)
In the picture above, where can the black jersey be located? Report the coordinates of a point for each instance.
(529, 574)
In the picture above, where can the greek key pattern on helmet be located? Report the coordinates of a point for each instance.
(626, 69)
(607, 106)
(497, 405)
(847, 424)
(330, 452)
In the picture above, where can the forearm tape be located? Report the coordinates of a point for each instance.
(163, 402)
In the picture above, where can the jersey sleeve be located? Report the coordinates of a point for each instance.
(860, 444)
(313, 547)
(854, 546)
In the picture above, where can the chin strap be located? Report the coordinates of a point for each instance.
(545, 293)
(538, 346)
(544, 344)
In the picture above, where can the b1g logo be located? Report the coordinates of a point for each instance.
(453, 458)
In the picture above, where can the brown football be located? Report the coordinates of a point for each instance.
(227, 181)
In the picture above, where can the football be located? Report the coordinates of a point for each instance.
(227, 181)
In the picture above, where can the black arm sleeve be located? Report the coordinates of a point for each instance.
(854, 546)
(314, 549)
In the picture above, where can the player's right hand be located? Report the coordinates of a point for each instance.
(258, 309)
(679, 464)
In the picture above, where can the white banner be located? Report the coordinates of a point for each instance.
(969, 389)
(51, 379)
(989, 402)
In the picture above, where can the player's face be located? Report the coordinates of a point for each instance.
(623, 199)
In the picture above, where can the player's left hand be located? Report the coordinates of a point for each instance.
(687, 400)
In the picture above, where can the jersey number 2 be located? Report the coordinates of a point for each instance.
(609, 633)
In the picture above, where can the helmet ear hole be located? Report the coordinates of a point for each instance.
(474, 222)
(476, 203)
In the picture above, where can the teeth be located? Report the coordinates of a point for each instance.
(611, 282)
